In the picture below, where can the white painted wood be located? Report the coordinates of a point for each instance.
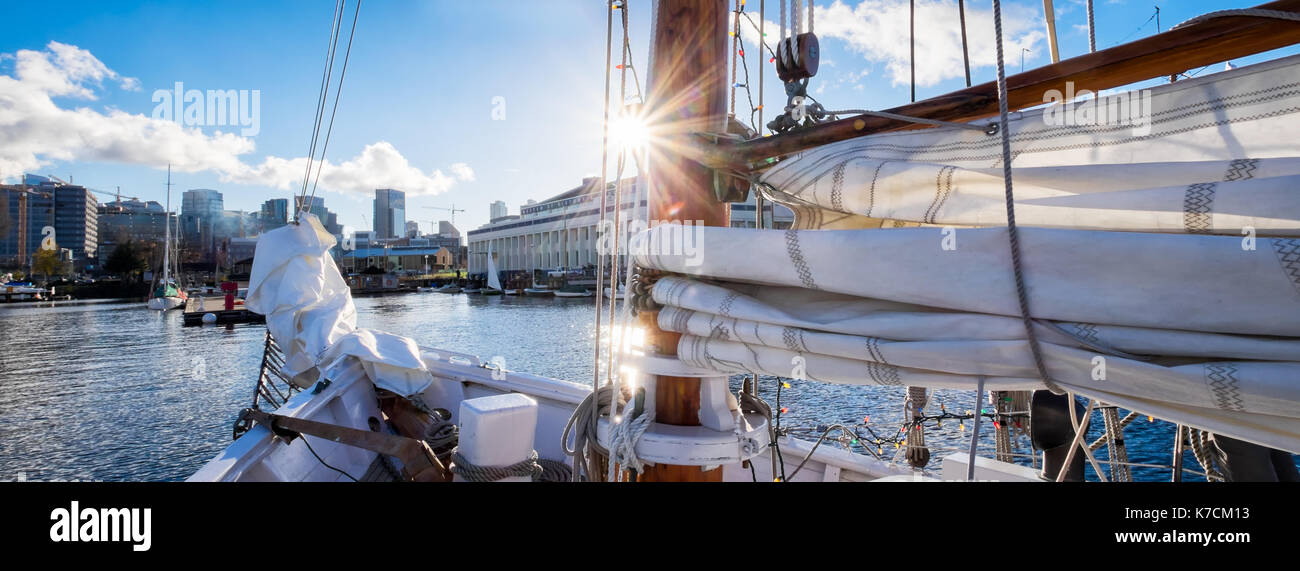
(831, 474)
(497, 431)
(986, 470)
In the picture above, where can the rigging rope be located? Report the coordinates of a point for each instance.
(1092, 35)
(965, 53)
(321, 98)
(1013, 233)
(337, 93)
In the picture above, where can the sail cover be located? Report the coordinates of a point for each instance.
(308, 307)
(1161, 259)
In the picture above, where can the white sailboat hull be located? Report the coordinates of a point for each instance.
(165, 303)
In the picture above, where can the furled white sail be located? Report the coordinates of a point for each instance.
(899, 272)
(309, 311)
(1211, 155)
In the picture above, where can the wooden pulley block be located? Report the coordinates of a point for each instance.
(797, 57)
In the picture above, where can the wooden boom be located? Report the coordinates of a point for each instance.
(1172, 52)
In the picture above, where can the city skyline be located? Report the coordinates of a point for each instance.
(89, 79)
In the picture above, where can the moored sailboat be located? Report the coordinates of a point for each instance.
(167, 294)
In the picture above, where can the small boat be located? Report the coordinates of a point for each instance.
(168, 294)
(539, 290)
(622, 291)
(513, 291)
(426, 289)
(449, 288)
(472, 290)
(493, 280)
(573, 291)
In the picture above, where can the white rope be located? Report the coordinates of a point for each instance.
(810, 16)
(623, 437)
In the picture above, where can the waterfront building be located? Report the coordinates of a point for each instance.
(71, 210)
(133, 220)
(390, 212)
(562, 231)
(404, 259)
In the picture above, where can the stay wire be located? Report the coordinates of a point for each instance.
(338, 92)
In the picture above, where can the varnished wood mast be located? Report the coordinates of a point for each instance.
(686, 95)
(1169, 53)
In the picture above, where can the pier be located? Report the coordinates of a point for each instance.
(198, 306)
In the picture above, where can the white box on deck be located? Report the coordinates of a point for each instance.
(498, 430)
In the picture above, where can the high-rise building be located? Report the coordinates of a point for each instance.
(412, 229)
(316, 205)
(70, 210)
(202, 216)
(274, 214)
(498, 210)
(390, 212)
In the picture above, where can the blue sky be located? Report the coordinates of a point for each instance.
(417, 104)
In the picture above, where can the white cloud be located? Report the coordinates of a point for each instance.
(462, 172)
(878, 30)
(35, 130)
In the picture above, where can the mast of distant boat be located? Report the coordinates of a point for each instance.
(167, 234)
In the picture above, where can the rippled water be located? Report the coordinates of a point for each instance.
(112, 391)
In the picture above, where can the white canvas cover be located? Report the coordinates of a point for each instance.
(308, 308)
(1170, 251)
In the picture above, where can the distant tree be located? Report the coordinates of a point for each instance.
(126, 260)
(46, 262)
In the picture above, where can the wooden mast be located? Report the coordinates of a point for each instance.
(686, 95)
(1172, 52)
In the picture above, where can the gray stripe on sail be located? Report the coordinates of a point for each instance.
(1241, 169)
(884, 374)
(837, 187)
(1288, 254)
(796, 258)
(1197, 204)
(1222, 380)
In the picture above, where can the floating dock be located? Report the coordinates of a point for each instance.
(198, 306)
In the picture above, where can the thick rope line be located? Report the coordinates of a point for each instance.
(526, 468)
(1013, 234)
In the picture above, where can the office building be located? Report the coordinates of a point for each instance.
(390, 213)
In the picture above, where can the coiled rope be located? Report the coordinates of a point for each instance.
(582, 428)
(623, 437)
(462, 467)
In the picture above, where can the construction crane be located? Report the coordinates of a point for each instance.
(453, 210)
